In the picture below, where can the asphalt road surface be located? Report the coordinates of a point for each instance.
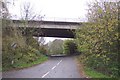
(56, 67)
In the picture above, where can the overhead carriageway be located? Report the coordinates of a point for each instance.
(49, 28)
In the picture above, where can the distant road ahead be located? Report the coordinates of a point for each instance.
(56, 67)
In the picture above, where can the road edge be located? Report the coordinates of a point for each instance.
(80, 67)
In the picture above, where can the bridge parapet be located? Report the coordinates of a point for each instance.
(58, 19)
(46, 24)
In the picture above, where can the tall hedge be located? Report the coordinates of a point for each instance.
(69, 47)
(17, 48)
(98, 38)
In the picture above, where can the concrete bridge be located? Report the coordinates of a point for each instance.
(49, 28)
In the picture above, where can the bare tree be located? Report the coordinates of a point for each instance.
(4, 13)
(27, 11)
(14, 41)
(28, 14)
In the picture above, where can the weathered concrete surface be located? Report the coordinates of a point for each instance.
(49, 28)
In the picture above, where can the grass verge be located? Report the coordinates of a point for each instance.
(94, 74)
(38, 61)
(90, 73)
(22, 65)
(97, 75)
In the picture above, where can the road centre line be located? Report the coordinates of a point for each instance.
(45, 74)
(52, 69)
(59, 62)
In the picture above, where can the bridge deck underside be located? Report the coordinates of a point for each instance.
(48, 32)
(49, 28)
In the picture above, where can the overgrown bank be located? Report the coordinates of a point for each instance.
(87, 72)
(98, 39)
(19, 48)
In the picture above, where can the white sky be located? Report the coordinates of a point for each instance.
(54, 8)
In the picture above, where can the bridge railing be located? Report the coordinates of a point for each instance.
(61, 19)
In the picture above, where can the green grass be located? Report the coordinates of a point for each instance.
(22, 64)
(97, 75)
(40, 60)
(0, 68)
(94, 74)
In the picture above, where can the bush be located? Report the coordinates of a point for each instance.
(17, 48)
(69, 47)
(98, 39)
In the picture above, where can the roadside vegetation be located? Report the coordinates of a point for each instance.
(54, 47)
(98, 40)
(94, 74)
(19, 51)
(70, 47)
(19, 48)
(61, 47)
